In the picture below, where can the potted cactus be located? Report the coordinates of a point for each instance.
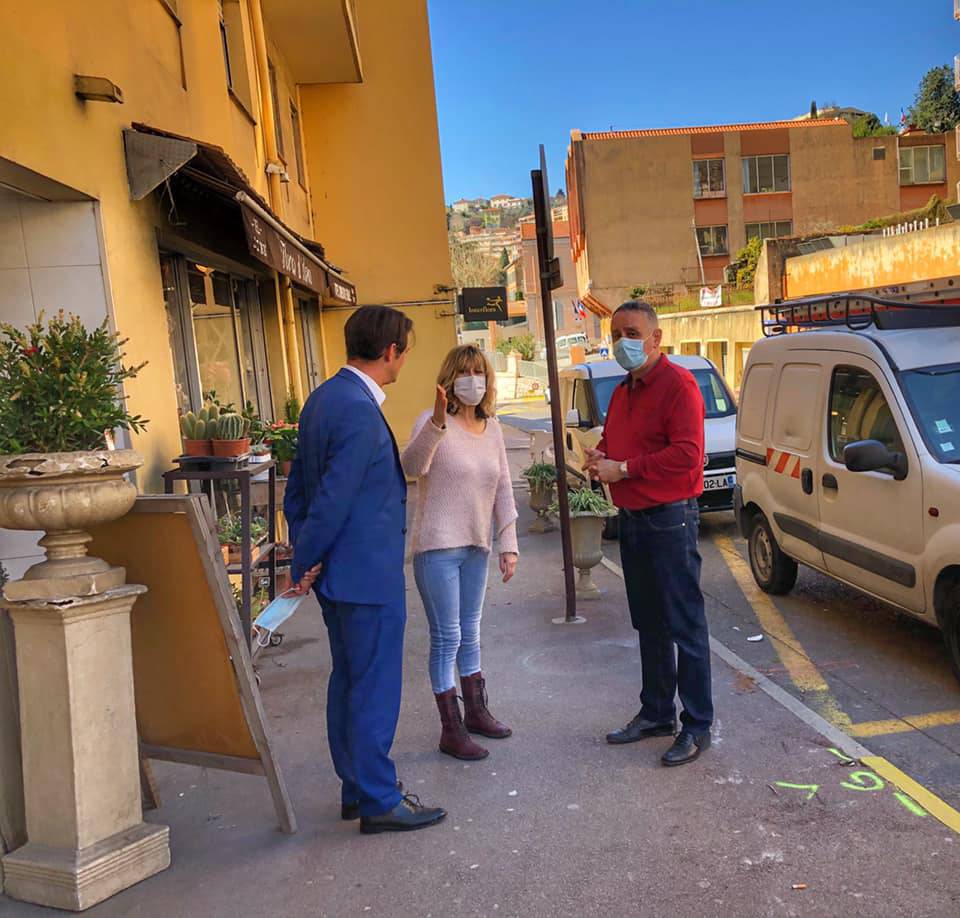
(232, 437)
(198, 430)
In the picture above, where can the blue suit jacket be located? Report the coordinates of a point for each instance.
(346, 497)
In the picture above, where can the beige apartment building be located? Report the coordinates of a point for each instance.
(673, 206)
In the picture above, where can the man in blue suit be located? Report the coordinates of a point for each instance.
(346, 508)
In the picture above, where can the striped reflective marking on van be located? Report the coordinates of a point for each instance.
(783, 463)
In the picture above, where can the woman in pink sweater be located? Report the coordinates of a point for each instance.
(458, 455)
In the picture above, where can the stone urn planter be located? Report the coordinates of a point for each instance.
(541, 498)
(586, 534)
(65, 494)
(86, 838)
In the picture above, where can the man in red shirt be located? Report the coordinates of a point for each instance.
(651, 455)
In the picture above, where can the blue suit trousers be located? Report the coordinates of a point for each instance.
(363, 699)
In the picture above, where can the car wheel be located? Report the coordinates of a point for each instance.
(774, 571)
(950, 623)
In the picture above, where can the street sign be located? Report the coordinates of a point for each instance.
(484, 304)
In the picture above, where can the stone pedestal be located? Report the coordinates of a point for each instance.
(85, 830)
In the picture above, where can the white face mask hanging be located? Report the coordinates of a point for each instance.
(470, 389)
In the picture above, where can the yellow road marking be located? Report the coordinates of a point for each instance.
(929, 801)
(802, 670)
(905, 724)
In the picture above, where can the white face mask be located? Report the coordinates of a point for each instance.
(470, 389)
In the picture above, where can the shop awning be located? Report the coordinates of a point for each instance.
(598, 307)
(154, 157)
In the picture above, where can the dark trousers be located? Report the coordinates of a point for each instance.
(363, 699)
(661, 568)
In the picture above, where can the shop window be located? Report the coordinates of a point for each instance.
(690, 348)
(717, 355)
(234, 54)
(922, 165)
(709, 178)
(766, 174)
(712, 240)
(776, 230)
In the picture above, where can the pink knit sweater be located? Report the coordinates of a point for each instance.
(464, 483)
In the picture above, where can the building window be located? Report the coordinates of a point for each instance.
(298, 144)
(769, 230)
(712, 240)
(275, 96)
(766, 174)
(922, 165)
(709, 178)
(879, 152)
(234, 54)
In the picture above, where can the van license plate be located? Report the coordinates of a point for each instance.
(719, 483)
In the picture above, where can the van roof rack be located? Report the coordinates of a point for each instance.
(856, 311)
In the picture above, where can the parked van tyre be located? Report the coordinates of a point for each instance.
(774, 571)
(950, 623)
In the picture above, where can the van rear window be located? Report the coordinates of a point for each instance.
(753, 401)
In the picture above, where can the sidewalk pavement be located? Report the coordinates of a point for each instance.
(555, 822)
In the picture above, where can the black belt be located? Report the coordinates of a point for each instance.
(659, 507)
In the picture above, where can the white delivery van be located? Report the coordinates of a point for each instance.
(848, 452)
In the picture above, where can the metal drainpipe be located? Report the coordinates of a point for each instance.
(288, 325)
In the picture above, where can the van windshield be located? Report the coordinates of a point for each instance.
(716, 398)
(934, 397)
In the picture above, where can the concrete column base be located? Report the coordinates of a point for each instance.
(74, 879)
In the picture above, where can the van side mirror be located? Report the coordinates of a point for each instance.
(873, 456)
(573, 418)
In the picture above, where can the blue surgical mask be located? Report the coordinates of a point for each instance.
(630, 354)
(274, 615)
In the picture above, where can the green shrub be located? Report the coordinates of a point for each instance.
(60, 387)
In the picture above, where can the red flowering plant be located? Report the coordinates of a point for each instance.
(282, 437)
(60, 387)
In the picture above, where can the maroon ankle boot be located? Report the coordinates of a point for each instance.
(477, 718)
(454, 740)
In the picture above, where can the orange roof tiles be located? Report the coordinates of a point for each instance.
(714, 129)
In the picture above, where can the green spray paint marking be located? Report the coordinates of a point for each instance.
(842, 756)
(812, 788)
(858, 779)
(910, 804)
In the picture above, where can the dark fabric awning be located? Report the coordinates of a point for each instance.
(154, 156)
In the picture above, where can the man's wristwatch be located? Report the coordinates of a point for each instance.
(624, 470)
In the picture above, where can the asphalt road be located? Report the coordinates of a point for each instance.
(879, 675)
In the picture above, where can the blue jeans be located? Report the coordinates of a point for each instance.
(661, 568)
(452, 584)
(363, 699)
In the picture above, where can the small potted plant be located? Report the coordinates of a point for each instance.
(198, 430)
(542, 479)
(259, 448)
(282, 437)
(230, 533)
(231, 439)
(589, 511)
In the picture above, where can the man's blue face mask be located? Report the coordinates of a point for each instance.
(630, 353)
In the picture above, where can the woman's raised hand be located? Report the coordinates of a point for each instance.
(440, 407)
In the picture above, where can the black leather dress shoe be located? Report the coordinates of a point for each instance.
(351, 811)
(407, 816)
(685, 748)
(639, 729)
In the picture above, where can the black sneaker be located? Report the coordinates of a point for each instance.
(639, 729)
(407, 816)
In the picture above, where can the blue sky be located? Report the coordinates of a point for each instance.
(511, 74)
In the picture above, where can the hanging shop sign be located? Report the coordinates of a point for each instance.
(484, 304)
(269, 246)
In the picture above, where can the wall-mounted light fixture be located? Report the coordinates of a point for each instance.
(96, 89)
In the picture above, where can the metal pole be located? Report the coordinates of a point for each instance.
(542, 215)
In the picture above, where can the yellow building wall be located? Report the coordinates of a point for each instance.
(374, 160)
(924, 255)
(47, 129)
